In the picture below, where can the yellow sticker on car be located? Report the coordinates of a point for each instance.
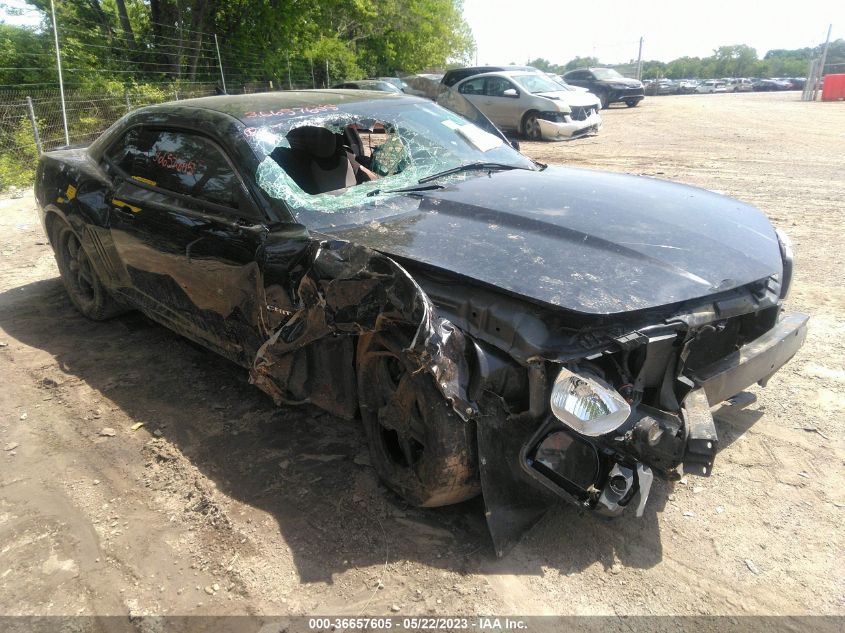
(146, 181)
(125, 205)
(70, 192)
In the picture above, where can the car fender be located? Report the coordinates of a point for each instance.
(346, 290)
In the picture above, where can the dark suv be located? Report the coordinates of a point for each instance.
(608, 85)
(457, 74)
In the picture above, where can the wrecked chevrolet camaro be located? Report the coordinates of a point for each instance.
(501, 327)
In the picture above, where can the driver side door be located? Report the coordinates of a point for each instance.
(186, 231)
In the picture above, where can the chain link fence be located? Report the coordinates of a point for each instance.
(31, 120)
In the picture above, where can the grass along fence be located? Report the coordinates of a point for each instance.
(31, 120)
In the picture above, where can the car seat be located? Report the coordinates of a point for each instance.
(328, 164)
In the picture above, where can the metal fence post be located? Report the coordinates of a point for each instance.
(32, 120)
(290, 83)
(313, 81)
(328, 77)
(126, 97)
(220, 63)
(59, 66)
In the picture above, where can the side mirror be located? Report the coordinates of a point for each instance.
(510, 92)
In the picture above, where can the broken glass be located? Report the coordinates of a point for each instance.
(416, 140)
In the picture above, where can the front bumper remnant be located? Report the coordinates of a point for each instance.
(754, 362)
(567, 130)
(526, 462)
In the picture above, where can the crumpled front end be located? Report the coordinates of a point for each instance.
(560, 126)
(598, 429)
(584, 411)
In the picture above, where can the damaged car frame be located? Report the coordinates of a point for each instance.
(532, 333)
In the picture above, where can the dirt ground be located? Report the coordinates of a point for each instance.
(222, 503)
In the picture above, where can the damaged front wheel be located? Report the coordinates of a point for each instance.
(419, 447)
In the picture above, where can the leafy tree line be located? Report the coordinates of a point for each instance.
(726, 61)
(123, 41)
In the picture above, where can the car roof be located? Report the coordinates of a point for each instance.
(238, 106)
(501, 73)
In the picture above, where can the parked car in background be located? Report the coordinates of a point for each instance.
(457, 74)
(533, 105)
(786, 83)
(423, 85)
(687, 86)
(608, 85)
(396, 81)
(769, 85)
(368, 84)
(656, 87)
(739, 84)
(567, 86)
(711, 86)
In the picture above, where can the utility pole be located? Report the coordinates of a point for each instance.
(640, 62)
(59, 66)
(823, 60)
(219, 63)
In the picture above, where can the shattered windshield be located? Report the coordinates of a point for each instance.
(331, 159)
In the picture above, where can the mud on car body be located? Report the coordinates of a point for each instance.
(531, 333)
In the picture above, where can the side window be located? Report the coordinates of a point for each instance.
(178, 161)
(496, 86)
(472, 87)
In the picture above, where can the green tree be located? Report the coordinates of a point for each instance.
(25, 56)
(734, 61)
(546, 66)
(581, 62)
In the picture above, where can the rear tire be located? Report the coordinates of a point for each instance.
(605, 100)
(418, 446)
(83, 286)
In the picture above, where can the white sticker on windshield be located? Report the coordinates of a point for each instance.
(483, 141)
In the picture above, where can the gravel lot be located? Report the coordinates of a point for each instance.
(223, 504)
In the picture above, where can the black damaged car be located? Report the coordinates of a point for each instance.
(608, 85)
(501, 327)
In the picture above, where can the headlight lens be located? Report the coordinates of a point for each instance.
(587, 404)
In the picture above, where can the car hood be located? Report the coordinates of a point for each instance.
(631, 83)
(571, 97)
(587, 241)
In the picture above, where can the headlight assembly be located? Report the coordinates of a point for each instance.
(587, 404)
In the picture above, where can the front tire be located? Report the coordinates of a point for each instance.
(531, 127)
(418, 446)
(83, 286)
(632, 103)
